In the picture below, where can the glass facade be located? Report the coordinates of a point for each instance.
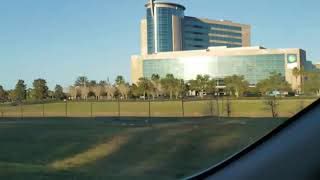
(150, 31)
(201, 35)
(164, 28)
(164, 24)
(254, 67)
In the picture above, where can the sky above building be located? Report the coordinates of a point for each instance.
(62, 39)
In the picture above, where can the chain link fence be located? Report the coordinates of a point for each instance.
(216, 107)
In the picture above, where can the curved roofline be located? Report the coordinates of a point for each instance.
(167, 3)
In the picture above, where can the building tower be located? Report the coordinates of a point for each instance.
(164, 26)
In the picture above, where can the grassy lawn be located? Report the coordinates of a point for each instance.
(239, 108)
(115, 149)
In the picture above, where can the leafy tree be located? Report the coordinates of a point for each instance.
(135, 91)
(211, 86)
(40, 89)
(20, 91)
(236, 85)
(3, 95)
(179, 88)
(120, 80)
(30, 94)
(58, 92)
(312, 84)
(169, 84)
(103, 83)
(202, 83)
(12, 95)
(296, 74)
(275, 82)
(81, 81)
(144, 86)
(199, 84)
(92, 83)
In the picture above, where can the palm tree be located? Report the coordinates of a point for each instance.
(296, 74)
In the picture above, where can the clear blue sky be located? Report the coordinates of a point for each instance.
(61, 39)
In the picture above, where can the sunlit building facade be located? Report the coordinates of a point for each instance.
(254, 63)
(172, 43)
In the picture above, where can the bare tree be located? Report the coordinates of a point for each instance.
(84, 90)
(124, 90)
(110, 90)
(228, 107)
(74, 92)
(272, 104)
(97, 91)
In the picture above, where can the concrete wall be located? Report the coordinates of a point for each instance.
(143, 37)
(176, 33)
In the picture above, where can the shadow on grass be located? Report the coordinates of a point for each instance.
(170, 148)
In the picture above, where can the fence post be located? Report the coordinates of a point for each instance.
(2, 108)
(149, 109)
(218, 107)
(43, 109)
(222, 106)
(119, 113)
(91, 114)
(182, 106)
(66, 108)
(21, 110)
(211, 106)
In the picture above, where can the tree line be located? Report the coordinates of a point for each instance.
(155, 87)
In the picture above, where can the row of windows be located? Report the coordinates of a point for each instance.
(224, 44)
(226, 33)
(172, 11)
(201, 25)
(222, 26)
(225, 39)
(254, 68)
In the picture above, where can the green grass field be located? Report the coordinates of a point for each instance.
(167, 148)
(239, 108)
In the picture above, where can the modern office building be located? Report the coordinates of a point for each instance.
(254, 63)
(172, 43)
(166, 28)
(317, 66)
